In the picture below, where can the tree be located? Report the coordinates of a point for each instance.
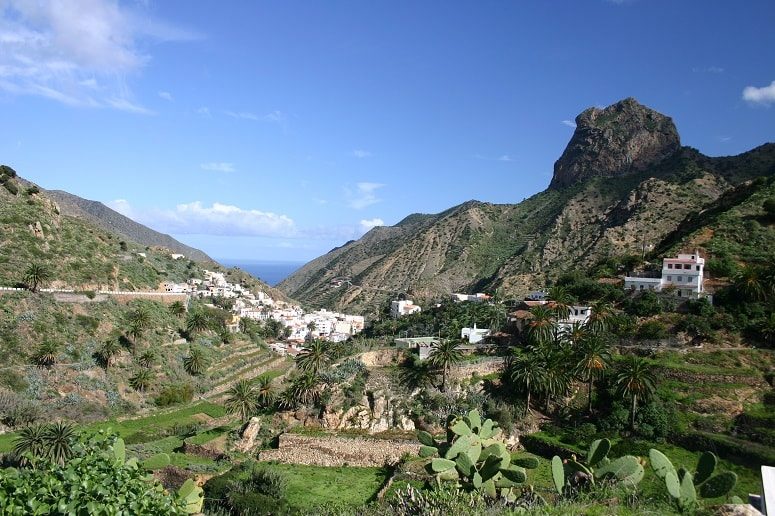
(527, 370)
(304, 389)
(196, 362)
(541, 326)
(36, 276)
(47, 354)
(30, 442)
(593, 358)
(264, 391)
(445, 354)
(58, 439)
(751, 283)
(601, 316)
(141, 380)
(575, 333)
(108, 351)
(634, 380)
(139, 320)
(147, 358)
(561, 302)
(177, 309)
(197, 321)
(313, 356)
(242, 399)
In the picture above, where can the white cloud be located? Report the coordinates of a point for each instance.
(276, 116)
(360, 153)
(77, 52)
(724, 139)
(241, 114)
(364, 195)
(502, 157)
(368, 224)
(505, 157)
(166, 95)
(569, 123)
(204, 111)
(218, 167)
(764, 95)
(218, 219)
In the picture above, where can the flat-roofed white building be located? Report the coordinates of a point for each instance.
(403, 307)
(684, 273)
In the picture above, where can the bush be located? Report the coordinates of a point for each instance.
(581, 435)
(10, 185)
(721, 267)
(769, 398)
(32, 190)
(13, 380)
(174, 394)
(644, 304)
(652, 330)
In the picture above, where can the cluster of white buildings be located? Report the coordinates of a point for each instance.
(474, 298)
(684, 273)
(322, 324)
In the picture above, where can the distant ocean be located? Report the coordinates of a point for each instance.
(270, 273)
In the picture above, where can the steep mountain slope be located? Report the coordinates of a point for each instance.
(622, 186)
(110, 220)
(81, 253)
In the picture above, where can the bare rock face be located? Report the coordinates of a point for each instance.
(249, 435)
(624, 138)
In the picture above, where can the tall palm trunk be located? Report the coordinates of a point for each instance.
(527, 403)
(444, 379)
(632, 412)
(589, 395)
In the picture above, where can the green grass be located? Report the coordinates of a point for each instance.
(311, 486)
(154, 423)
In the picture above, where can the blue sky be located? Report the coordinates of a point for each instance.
(278, 130)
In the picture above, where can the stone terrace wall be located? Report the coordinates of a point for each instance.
(483, 367)
(339, 451)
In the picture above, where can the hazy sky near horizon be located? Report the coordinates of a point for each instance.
(276, 130)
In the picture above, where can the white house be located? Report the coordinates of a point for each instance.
(577, 314)
(402, 308)
(538, 295)
(684, 273)
(176, 256)
(474, 298)
(474, 335)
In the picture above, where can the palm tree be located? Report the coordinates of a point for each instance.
(303, 390)
(177, 309)
(36, 276)
(30, 440)
(141, 380)
(445, 354)
(264, 391)
(147, 359)
(139, 319)
(58, 440)
(108, 351)
(243, 399)
(197, 321)
(541, 326)
(196, 362)
(749, 280)
(414, 373)
(313, 356)
(634, 379)
(575, 333)
(528, 371)
(593, 358)
(600, 317)
(561, 302)
(47, 354)
(768, 329)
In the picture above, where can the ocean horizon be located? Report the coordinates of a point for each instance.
(270, 272)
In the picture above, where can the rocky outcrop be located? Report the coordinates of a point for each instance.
(339, 451)
(249, 434)
(620, 139)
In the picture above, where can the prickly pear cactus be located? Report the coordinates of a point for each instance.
(192, 497)
(683, 486)
(572, 475)
(475, 456)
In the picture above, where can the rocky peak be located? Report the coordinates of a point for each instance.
(623, 138)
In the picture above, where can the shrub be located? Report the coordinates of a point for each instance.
(10, 185)
(644, 304)
(769, 398)
(582, 435)
(174, 394)
(652, 330)
(32, 190)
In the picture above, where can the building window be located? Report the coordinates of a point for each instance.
(698, 267)
(669, 265)
(680, 279)
(641, 287)
(669, 278)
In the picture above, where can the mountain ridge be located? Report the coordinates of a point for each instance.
(593, 209)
